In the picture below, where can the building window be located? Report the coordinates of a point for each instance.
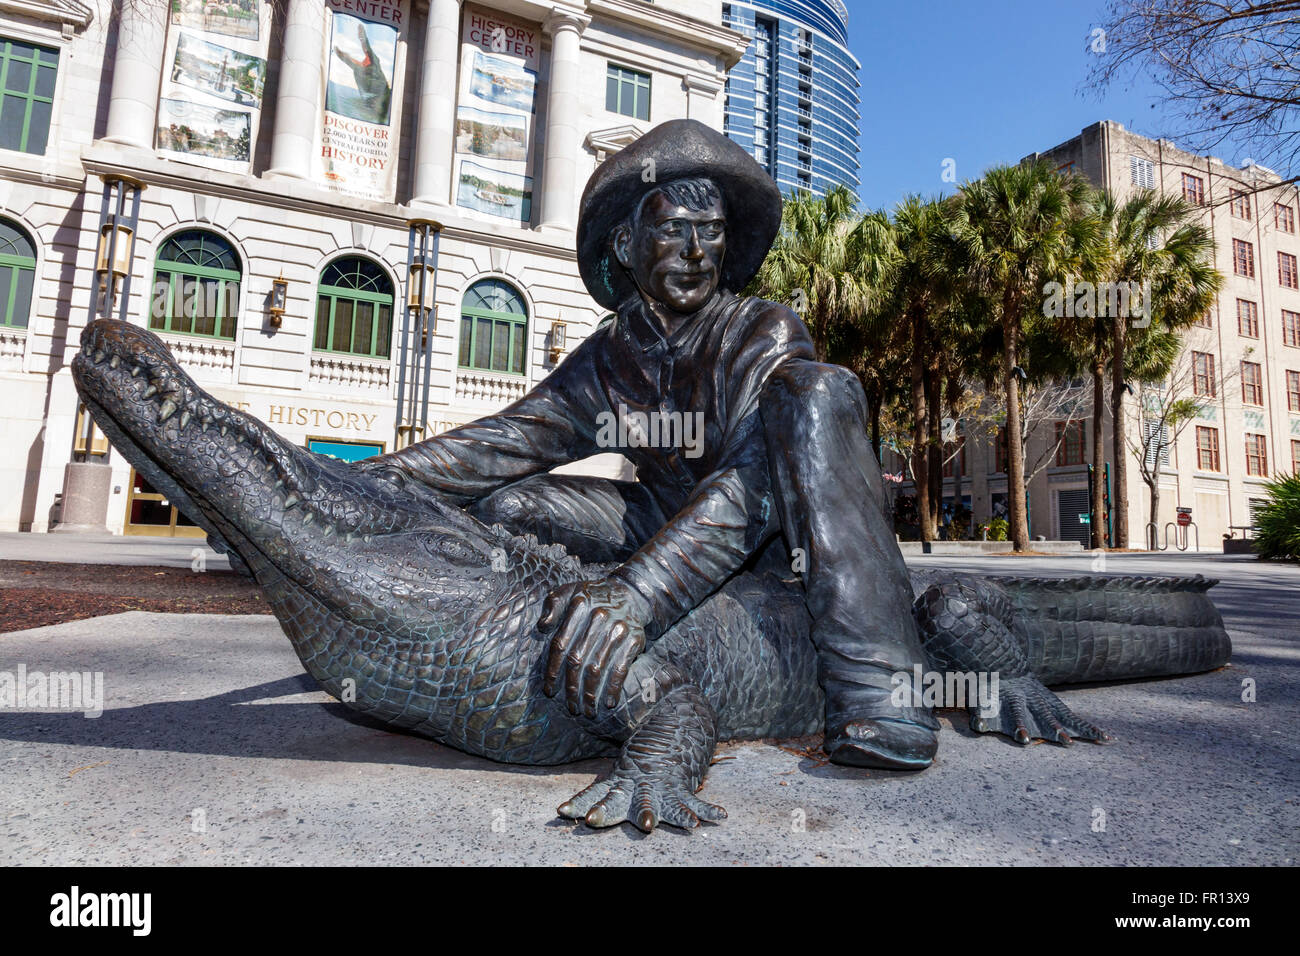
(1000, 451)
(1071, 436)
(1142, 172)
(354, 308)
(1155, 437)
(1243, 258)
(1293, 391)
(1295, 456)
(627, 92)
(196, 285)
(1207, 448)
(1239, 201)
(17, 274)
(1065, 169)
(1194, 189)
(1252, 383)
(1291, 328)
(1283, 217)
(493, 328)
(27, 74)
(1286, 271)
(1205, 320)
(1247, 318)
(1256, 456)
(1203, 374)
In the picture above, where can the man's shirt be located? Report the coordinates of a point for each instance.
(715, 365)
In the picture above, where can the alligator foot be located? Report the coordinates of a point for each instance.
(661, 767)
(1027, 711)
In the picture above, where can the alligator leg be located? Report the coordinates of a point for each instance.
(969, 626)
(661, 767)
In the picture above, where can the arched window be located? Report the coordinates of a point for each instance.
(196, 285)
(17, 274)
(354, 308)
(493, 328)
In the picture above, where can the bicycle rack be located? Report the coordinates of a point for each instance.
(1182, 536)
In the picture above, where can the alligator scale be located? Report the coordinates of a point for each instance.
(416, 613)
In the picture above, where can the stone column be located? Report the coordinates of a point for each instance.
(436, 124)
(559, 172)
(137, 70)
(702, 100)
(298, 96)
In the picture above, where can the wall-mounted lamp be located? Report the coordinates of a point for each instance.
(114, 241)
(279, 300)
(422, 284)
(558, 338)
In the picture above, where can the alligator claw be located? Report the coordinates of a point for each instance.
(1028, 711)
(644, 802)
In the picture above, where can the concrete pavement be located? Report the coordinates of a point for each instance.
(214, 747)
(124, 549)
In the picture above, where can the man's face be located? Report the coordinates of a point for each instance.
(674, 253)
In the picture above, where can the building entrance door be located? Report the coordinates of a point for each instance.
(149, 512)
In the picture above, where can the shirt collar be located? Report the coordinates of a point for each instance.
(640, 327)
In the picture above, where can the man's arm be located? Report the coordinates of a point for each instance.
(551, 425)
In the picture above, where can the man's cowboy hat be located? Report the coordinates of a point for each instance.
(679, 149)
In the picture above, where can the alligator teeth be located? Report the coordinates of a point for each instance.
(185, 418)
(135, 371)
(307, 517)
(86, 350)
(115, 361)
(99, 356)
(151, 391)
(291, 500)
(166, 410)
(223, 430)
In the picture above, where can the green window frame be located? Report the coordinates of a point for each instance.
(196, 286)
(493, 328)
(17, 274)
(627, 92)
(27, 77)
(354, 309)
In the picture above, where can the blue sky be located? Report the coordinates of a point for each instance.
(981, 82)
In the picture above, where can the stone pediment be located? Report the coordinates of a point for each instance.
(606, 142)
(70, 13)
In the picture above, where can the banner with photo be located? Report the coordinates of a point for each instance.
(214, 75)
(495, 113)
(361, 105)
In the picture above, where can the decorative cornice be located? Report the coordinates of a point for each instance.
(687, 30)
(605, 142)
(68, 12)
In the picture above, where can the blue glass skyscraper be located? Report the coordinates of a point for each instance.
(793, 99)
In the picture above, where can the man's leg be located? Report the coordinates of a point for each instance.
(597, 519)
(829, 497)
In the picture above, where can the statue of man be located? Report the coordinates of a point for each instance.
(780, 474)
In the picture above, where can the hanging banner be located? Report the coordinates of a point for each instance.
(361, 104)
(495, 113)
(214, 73)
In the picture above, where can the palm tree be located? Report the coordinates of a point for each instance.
(1020, 225)
(1149, 242)
(828, 262)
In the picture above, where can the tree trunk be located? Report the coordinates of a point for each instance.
(1154, 486)
(876, 401)
(1119, 436)
(934, 407)
(1098, 529)
(1017, 518)
(920, 437)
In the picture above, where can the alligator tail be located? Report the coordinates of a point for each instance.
(1115, 628)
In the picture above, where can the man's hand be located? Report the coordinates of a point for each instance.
(599, 631)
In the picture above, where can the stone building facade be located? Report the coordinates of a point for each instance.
(278, 154)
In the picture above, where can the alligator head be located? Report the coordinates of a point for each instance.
(379, 549)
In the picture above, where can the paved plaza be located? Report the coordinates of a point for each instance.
(214, 747)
